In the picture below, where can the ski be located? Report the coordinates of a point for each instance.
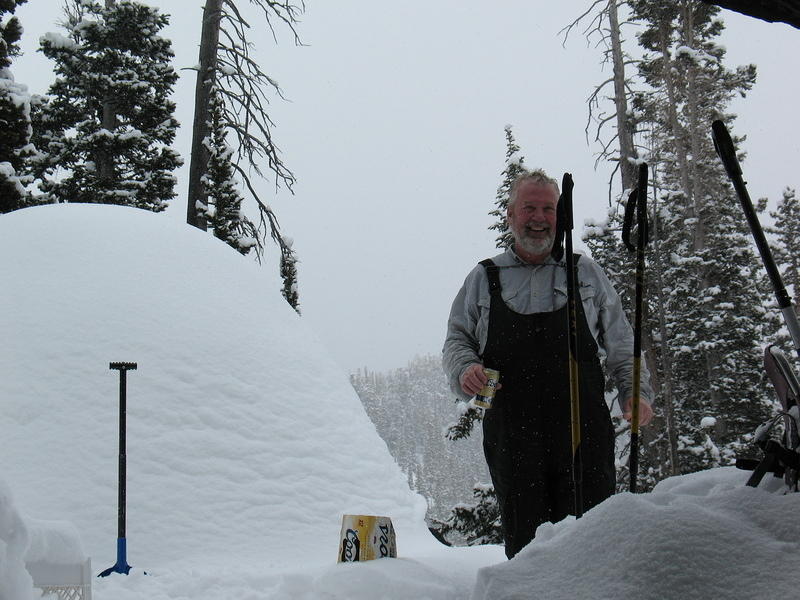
(780, 458)
(727, 154)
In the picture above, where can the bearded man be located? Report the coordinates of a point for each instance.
(511, 315)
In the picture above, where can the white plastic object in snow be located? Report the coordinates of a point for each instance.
(67, 582)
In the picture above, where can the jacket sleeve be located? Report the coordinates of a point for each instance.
(617, 340)
(462, 346)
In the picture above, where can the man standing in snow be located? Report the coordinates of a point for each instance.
(511, 315)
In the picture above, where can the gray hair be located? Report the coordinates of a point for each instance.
(538, 177)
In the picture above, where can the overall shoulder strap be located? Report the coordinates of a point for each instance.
(493, 274)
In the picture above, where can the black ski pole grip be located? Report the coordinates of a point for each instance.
(627, 222)
(566, 198)
(636, 207)
(723, 144)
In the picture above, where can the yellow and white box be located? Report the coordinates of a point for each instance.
(365, 537)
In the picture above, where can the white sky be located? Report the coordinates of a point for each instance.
(394, 130)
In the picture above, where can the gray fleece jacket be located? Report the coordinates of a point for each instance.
(541, 288)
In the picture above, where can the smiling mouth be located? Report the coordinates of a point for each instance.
(538, 230)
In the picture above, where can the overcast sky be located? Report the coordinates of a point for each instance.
(394, 129)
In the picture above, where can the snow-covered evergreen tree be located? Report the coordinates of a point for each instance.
(289, 276)
(15, 126)
(107, 127)
(787, 249)
(514, 167)
(221, 190)
(714, 315)
(477, 523)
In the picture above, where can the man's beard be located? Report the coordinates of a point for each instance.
(534, 245)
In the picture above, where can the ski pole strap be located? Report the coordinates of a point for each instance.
(493, 274)
(632, 209)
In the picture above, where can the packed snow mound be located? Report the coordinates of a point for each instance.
(15, 581)
(704, 535)
(243, 436)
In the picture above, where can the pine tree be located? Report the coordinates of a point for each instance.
(15, 124)
(477, 523)
(108, 124)
(787, 249)
(513, 169)
(714, 317)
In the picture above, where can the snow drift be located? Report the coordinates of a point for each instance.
(243, 435)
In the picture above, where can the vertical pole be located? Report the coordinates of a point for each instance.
(637, 200)
(121, 565)
(572, 326)
(122, 457)
(641, 240)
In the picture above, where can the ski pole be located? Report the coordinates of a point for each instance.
(572, 327)
(727, 153)
(637, 202)
(121, 565)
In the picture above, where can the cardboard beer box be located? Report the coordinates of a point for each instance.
(365, 537)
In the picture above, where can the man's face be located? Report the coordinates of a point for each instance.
(532, 219)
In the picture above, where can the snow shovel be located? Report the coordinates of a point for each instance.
(121, 565)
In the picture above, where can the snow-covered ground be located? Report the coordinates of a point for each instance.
(246, 445)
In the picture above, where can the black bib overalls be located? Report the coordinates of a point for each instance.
(526, 433)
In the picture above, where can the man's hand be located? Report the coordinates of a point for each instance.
(645, 411)
(473, 379)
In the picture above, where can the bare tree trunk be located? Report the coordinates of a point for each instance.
(206, 74)
(712, 357)
(104, 160)
(627, 151)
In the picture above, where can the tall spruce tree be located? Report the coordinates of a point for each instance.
(107, 127)
(15, 127)
(714, 316)
(514, 167)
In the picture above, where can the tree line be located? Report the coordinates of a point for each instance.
(104, 131)
(412, 408)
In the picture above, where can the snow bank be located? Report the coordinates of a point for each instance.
(699, 536)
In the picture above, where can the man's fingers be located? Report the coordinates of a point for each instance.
(645, 413)
(473, 379)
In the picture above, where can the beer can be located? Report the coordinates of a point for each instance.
(485, 397)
